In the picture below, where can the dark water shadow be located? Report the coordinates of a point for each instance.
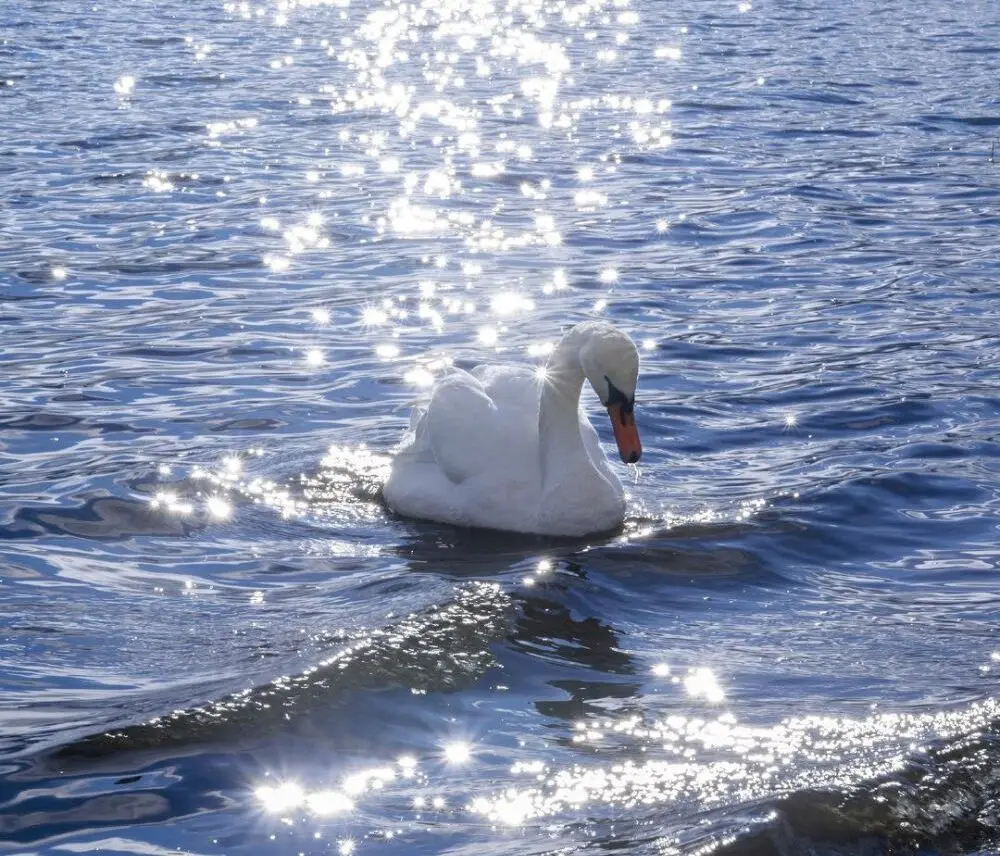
(441, 649)
(942, 801)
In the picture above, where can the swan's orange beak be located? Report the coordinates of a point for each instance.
(626, 434)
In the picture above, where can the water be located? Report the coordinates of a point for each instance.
(238, 242)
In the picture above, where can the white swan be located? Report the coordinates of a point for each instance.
(510, 448)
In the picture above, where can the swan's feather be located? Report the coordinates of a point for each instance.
(458, 401)
(510, 386)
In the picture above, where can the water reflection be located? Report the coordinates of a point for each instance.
(442, 648)
(546, 626)
(743, 765)
(457, 753)
(125, 85)
(627, 752)
(718, 761)
(472, 173)
(702, 683)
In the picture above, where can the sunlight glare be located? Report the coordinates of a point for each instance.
(668, 52)
(702, 683)
(125, 84)
(372, 316)
(328, 802)
(457, 752)
(218, 508)
(419, 376)
(508, 303)
(387, 351)
(285, 796)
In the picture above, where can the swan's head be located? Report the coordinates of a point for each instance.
(610, 361)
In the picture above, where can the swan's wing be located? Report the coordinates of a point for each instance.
(461, 426)
(510, 386)
(416, 444)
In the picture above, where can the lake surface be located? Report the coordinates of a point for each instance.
(239, 241)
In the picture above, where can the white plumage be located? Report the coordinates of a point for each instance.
(505, 447)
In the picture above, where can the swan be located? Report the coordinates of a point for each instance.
(504, 447)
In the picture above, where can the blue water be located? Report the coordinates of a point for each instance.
(238, 241)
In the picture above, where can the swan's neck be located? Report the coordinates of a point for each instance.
(561, 446)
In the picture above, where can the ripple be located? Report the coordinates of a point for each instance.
(243, 243)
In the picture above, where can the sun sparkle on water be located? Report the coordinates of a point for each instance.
(219, 508)
(445, 120)
(458, 752)
(125, 84)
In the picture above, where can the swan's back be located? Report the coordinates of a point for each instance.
(510, 387)
(472, 452)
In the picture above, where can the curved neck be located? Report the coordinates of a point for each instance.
(560, 443)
